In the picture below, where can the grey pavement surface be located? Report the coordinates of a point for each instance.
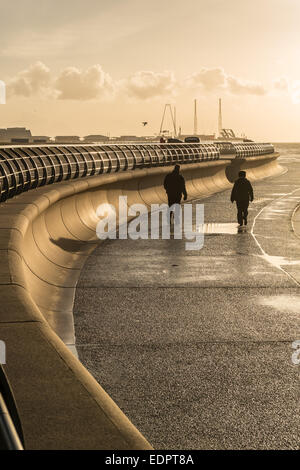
(195, 346)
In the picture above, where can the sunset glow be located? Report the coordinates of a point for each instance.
(106, 66)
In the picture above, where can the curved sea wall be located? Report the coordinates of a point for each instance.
(46, 236)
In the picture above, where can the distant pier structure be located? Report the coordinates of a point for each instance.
(195, 118)
(220, 123)
(227, 134)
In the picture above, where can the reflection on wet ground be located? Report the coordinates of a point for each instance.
(195, 347)
(283, 303)
(215, 228)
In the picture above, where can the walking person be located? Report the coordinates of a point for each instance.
(174, 185)
(242, 193)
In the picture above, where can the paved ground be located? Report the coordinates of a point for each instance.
(195, 347)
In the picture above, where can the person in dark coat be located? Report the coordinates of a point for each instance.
(242, 193)
(174, 185)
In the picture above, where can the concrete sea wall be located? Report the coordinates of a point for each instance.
(46, 235)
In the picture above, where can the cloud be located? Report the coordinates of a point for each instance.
(93, 83)
(216, 79)
(287, 87)
(294, 91)
(145, 85)
(70, 84)
(281, 84)
(237, 86)
(2, 92)
(209, 79)
(31, 81)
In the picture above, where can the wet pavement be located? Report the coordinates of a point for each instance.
(195, 346)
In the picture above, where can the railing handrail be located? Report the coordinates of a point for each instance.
(24, 167)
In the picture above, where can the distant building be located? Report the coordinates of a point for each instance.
(40, 139)
(64, 139)
(151, 138)
(15, 135)
(19, 140)
(3, 135)
(95, 138)
(130, 138)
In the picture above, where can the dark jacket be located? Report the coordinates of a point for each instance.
(174, 184)
(242, 191)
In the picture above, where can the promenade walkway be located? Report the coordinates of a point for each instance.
(195, 347)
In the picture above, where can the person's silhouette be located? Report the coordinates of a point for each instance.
(242, 193)
(174, 185)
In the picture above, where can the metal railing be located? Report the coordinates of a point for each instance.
(28, 167)
(244, 149)
(11, 434)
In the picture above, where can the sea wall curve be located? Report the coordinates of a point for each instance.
(46, 236)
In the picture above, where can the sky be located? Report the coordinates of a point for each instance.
(79, 67)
